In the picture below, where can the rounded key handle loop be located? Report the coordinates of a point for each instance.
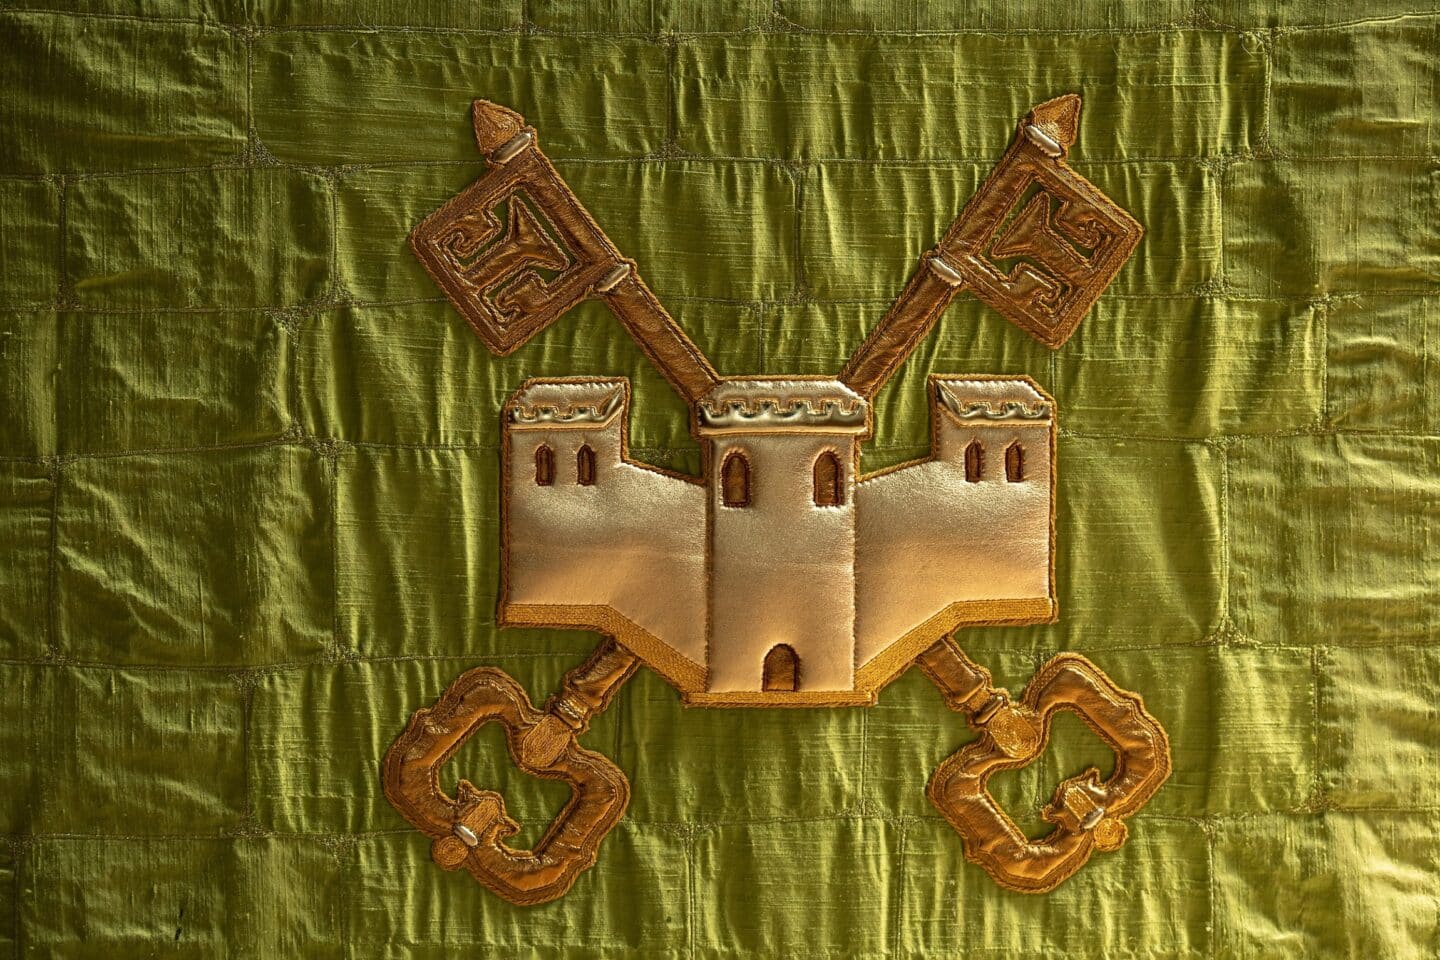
(470, 829)
(1088, 813)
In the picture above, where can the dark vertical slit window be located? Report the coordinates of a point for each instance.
(1015, 462)
(585, 466)
(974, 462)
(544, 466)
(735, 481)
(829, 481)
(782, 669)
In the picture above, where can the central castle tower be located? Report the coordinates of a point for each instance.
(783, 461)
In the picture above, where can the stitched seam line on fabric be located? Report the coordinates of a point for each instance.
(779, 25)
(1038, 654)
(1318, 792)
(898, 885)
(948, 161)
(1304, 812)
(322, 306)
(287, 439)
(53, 650)
(1227, 618)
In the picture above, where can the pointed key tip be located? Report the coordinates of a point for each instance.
(1059, 119)
(494, 125)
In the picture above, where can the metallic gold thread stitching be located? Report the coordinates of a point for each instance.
(1038, 243)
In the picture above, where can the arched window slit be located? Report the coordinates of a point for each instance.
(735, 480)
(829, 481)
(585, 466)
(974, 462)
(1015, 462)
(544, 466)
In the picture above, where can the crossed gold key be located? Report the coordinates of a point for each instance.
(514, 252)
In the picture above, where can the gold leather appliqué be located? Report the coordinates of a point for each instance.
(680, 572)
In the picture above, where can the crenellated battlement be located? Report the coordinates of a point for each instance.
(548, 402)
(750, 405)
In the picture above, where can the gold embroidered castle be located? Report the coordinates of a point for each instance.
(781, 575)
(820, 585)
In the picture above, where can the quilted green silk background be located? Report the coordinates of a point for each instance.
(248, 466)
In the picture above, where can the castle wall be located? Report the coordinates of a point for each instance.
(632, 541)
(927, 538)
(782, 568)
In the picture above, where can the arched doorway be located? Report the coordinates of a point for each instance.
(782, 669)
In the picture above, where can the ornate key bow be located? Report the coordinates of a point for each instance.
(881, 569)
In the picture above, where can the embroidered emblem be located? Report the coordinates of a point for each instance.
(783, 575)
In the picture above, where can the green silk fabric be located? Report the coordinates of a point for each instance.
(248, 466)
